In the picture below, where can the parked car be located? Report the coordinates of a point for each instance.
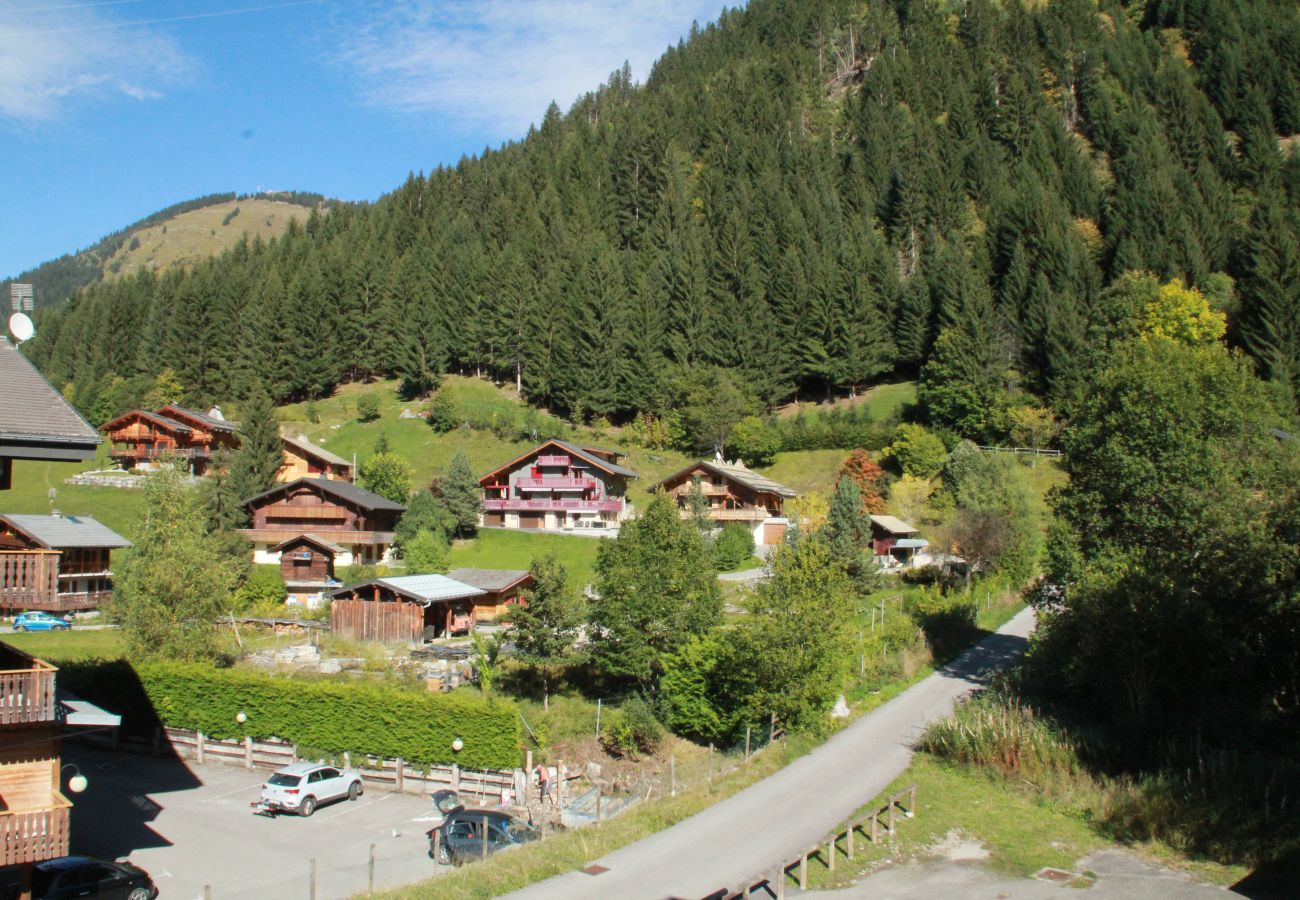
(84, 876)
(303, 786)
(444, 801)
(460, 839)
(40, 621)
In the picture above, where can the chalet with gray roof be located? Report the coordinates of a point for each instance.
(35, 421)
(303, 459)
(558, 485)
(897, 543)
(140, 438)
(734, 493)
(360, 522)
(78, 548)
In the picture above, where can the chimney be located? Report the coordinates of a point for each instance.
(717, 456)
(215, 413)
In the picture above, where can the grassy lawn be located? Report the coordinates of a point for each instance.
(494, 549)
(1022, 829)
(117, 508)
(69, 646)
(807, 470)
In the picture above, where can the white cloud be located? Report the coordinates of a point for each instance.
(54, 57)
(491, 67)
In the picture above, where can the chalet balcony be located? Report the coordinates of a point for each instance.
(69, 601)
(275, 532)
(128, 451)
(28, 578)
(26, 688)
(555, 483)
(34, 835)
(554, 460)
(752, 514)
(516, 504)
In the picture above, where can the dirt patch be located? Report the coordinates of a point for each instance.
(958, 846)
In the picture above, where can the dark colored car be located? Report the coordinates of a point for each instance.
(84, 876)
(460, 838)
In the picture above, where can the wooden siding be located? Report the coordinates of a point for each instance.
(298, 465)
(34, 835)
(305, 563)
(368, 620)
(29, 579)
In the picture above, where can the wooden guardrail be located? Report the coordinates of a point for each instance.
(868, 825)
(35, 834)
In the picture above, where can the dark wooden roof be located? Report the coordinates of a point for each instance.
(212, 423)
(163, 421)
(343, 490)
(35, 422)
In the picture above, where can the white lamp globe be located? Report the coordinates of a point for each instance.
(77, 783)
(458, 745)
(240, 717)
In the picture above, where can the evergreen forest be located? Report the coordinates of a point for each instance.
(812, 194)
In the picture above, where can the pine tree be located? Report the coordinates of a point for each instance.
(546, 624)
(460, 492)
(257, 462)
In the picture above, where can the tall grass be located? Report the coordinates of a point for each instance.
(1229, 805)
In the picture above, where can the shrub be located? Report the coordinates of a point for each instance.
(367, 408)
(756, 442)
(948, 621)
(733, 547)
(631, 730)
(917, 451)
(379, 719)
(442, 410)
(263, 589)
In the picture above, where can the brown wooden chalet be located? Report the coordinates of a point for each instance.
(557, 485)
(55, 563)
(35, 423)
(895, 542)
(502, 589)
(140, 438)
(303, 459)
(307, 567)
(361, 523)
(735, 494)
(405, 608)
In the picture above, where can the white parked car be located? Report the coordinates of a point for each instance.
(303, 786)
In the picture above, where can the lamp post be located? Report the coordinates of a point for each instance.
(457, 745)
(78, 782)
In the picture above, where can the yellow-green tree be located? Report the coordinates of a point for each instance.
(1182, 314)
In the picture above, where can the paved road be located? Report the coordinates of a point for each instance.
(190, 825)
(774, 820)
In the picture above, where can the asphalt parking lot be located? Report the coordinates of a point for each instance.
(191, 826)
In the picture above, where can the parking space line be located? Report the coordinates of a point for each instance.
(355, 807)
(243, 788)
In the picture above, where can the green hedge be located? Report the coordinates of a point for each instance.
(325, 716)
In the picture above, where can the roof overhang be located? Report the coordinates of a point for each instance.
(39, 447)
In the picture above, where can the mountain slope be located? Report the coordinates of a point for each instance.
(805, 195)
(183, 233)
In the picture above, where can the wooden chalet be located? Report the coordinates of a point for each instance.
(735, 494)
(895, 542)
(359, 522)
(141, 438)
(303, 459)
(307, 567)
(559, 486)
(502, 589)
(35, 423)
(55, 563)
(407, 608)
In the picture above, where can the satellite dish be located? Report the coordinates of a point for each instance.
(21, 327)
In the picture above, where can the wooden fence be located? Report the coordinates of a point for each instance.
(369, 620)
(1028, 451)
(478, 787)
(868, 825)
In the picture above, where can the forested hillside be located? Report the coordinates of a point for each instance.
(810, 193)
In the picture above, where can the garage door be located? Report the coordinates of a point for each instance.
(773, 533)
(532, 520)
(494, 518)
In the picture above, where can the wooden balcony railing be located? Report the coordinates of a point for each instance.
(33, 835)
(553, 460)
(28, 578)
(557, 505)
(555, 483)
(26, 688)
(128, 451)
(70, 600)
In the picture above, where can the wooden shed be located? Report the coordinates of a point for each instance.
(307, 565)
(406, 608)
(502, 588)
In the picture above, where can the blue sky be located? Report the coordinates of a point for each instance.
(113, 109)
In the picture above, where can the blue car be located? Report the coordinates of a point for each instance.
(40, 621)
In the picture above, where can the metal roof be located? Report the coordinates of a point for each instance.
(736, 472)
(344, 490)
(211, 421)
(893, 525)
(301, 443)
(426, 589)
(66, 532)
(911, 543)
(493, 580)
(34, 417)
